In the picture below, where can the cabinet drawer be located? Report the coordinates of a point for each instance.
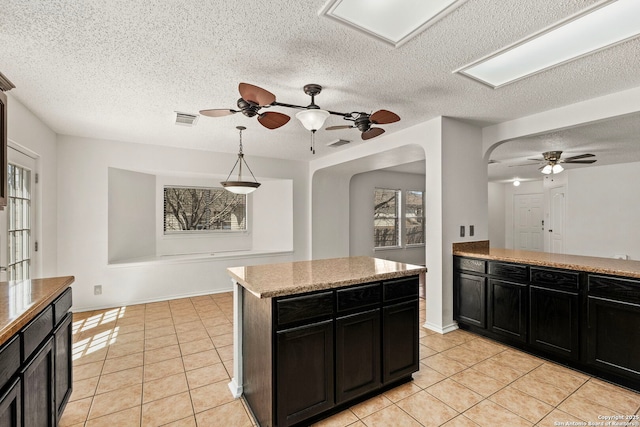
(308, 307)
(398, 289)
(517, 272)
(614, 288)
(61, 306)
(9, 360)
(36, 331)
(557, 279)
(358, 297)
(468, 264)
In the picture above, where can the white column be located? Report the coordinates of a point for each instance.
(236, 382)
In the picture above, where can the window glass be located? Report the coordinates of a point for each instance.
(414, 217)
(385, 217)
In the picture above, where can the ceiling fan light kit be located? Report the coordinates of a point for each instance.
(240, 186)
(312, 117)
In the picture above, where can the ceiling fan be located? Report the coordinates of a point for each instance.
(254, 98)
(551, 161)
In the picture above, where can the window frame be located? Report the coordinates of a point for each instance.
(405, 232)
(202, 232)
(401, 209)
(398, 219)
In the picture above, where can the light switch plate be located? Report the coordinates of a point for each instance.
(471, 230)
(462, 231)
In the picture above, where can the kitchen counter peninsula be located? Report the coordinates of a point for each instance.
(312, 337)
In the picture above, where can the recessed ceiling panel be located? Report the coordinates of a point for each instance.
(392, 22)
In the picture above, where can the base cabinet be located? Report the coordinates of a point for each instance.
(10, 406)
(554, 321)
(507, 308)
(400, 341)
(63, 336)
(38, 408)
(470, 293)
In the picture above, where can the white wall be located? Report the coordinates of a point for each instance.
(28, 131)
(497, 206)
(83, 221)
(361, 234)
(603, 211)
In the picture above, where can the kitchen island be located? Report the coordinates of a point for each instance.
(580, 311)
(312, 337)
(35, 351)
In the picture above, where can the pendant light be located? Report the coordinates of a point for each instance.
(240, 186)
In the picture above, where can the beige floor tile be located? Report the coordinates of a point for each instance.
(213, 321)
(518, 361)
(558, 417)
(427, 377)
(120, 379)
(478, 382)
(484, 346)
(341, 419)
(83, 355)
(116, 401)
(454, 395)
(586, 409)
(154, 371)
(427, 409)
(195, 335)
(222, 340)
(75, 412)
(221, 329)
(437, 342)
(495, 370)
(207, 375)
(225, 353)
(153, 324)
(190, 326)
(426, 351)
(210, 396)
(84, 388)
(160, 354)
(122, 363)
(159, 332)
(529, 408)
(125, 349)
(184, 422)
(402, 391)
(166, 410)
(130, 337)
(127, 329)
(185, 319)
(557, 376)
(465, 355)
(489, 414)
(610, 396)
(196, 346)
(160, 342)
(391, 416)
(460, 421)
(88, 370)
(444, 365)
(230, 414)
(370, 406)
(164, 387)
(198, 360)
(126, 418)
(540, 390)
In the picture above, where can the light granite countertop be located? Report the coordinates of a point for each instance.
(616, 267)
(273, 280)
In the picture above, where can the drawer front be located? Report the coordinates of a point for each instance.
(9, 359)
(469, 264)
(613, 288)
(61, 306)
(557, 279)
(399, 289)
(308, 307)
(36, 331)
(358, 297)
(516, 272)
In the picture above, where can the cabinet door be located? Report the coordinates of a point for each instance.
(470, 299)
(613, 331)
(554, 321)
(37, 389)
(63, 367)
(508, 309)
(304, 372)
(10, 414)
(399, 341)
(357, 354)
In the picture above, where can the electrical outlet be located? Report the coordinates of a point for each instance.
(462, 231)
(97, 290)
(471, 230)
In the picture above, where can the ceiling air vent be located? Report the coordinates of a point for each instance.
(338, 143)
(186, 119)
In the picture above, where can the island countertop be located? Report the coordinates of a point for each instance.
(274, 280)
(589, 264)
(22, 300)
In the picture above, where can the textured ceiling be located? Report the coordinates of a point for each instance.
(119, 69)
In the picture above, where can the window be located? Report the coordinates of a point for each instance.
(396, 224)
(385, 218)
(414, 218)
(199, 209)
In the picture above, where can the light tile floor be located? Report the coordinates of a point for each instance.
(168, 364)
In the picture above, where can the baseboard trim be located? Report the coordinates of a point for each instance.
(441, 329)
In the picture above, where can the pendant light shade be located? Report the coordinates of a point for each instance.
(312, 119)
(239, 186)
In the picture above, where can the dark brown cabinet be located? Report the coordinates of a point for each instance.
(10, 405)
(63, 336)
(470, 294)
(554, 321)
(507, 306)
(37, 388)
(5, 85)
(400, 341)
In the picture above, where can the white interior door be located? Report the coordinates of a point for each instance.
(557, 218)
(528, 215)
(17, 242)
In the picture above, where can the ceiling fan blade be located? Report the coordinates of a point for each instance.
(339, 127)
(256, 94)
(372, 133)
(524, 164)
(273, 119)
(537, 160)
(383, 117)
(217, 112)
(585, 162)
(581, 156)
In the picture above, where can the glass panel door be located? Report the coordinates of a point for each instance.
(19, 223)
